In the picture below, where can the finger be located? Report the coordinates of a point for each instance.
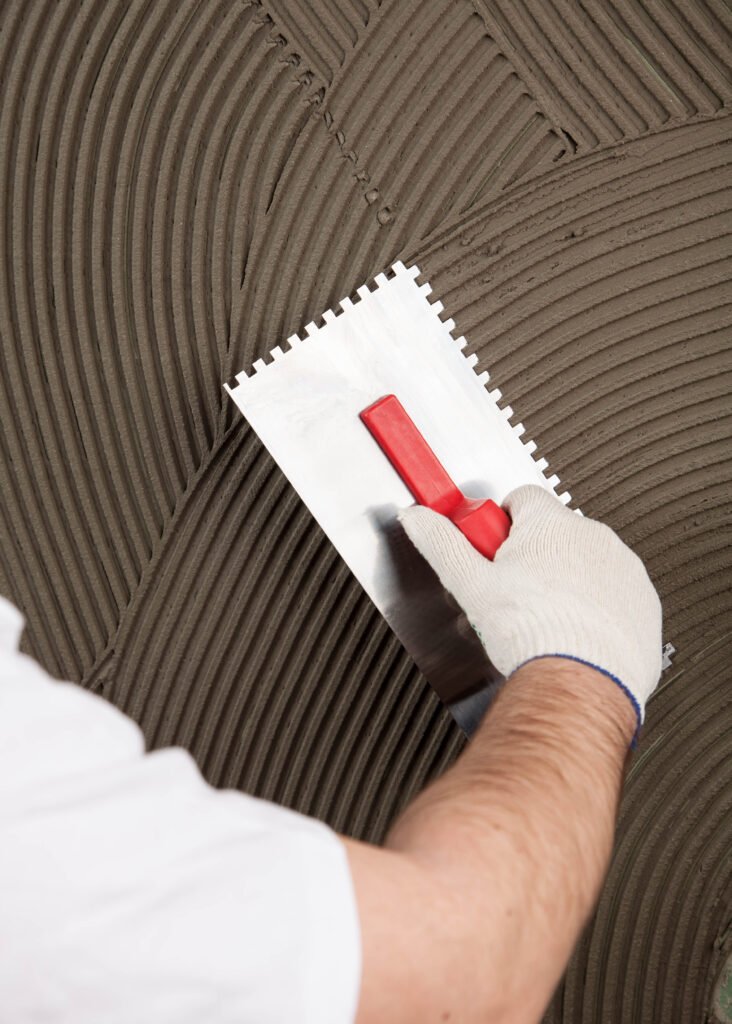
(460, 568)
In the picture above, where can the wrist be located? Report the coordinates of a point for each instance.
(600, 695)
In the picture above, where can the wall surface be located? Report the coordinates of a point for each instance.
(182, 185)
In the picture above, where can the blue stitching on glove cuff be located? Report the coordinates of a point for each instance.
(604, 671)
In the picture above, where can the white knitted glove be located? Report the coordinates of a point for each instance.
(561, 584)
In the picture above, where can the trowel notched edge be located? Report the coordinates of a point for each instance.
(413, 272)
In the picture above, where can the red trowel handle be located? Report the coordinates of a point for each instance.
(484, 523)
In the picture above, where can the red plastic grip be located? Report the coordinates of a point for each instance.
(482, 521)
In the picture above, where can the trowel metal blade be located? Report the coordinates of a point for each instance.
(304, 404)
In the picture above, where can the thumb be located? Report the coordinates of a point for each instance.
(531, 504)
(460, 568)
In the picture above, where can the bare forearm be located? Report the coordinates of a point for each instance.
(521, 827)
(472, 910)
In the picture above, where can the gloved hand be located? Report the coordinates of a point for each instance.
(561, 584)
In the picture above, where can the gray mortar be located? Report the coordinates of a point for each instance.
(184, 185)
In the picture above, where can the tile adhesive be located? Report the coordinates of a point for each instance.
(186, 184)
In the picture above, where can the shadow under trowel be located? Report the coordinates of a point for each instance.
(432, 627)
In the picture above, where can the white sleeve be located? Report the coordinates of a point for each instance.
(132, 891)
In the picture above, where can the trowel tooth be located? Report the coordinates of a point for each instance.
(399, 268)
(472, 359)
(507, 412)
(542, 464)
(258, 365)
(565, 497)
(294, 340)
(483, 378)
(461, 342)
(425, 289)
(518, 429)
(311, 329)
(530, 446)
(667, 652)
(381, 280)
(345, 304)
(241, 377)
(495, 394)
(449, 324)
(363, 291)
(277, 352)
(329, 316)
(553, 481)
(437, 307)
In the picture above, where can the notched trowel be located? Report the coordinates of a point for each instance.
(306, 404)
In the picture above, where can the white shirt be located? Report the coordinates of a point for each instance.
(131, 891)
